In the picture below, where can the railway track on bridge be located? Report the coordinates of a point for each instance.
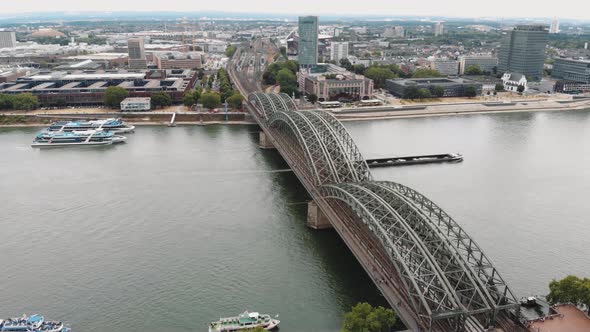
(425, 265)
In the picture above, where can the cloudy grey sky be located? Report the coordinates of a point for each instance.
(578, 9)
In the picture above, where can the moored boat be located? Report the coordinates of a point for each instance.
(76, 138)
(243, 322)
(33, 323)
(116, 126)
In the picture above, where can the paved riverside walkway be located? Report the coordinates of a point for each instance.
(573, 320)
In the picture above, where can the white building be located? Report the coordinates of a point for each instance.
(512, 81)
(445, 67)
(136, 104)
(485, 62)
(338, 50)
(7, 39)
(554, 28)
(439, 28)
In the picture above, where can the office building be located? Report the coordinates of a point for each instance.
(7, 39)
(394, 32)
(137, 59)
(178, 60)
(445, 67)
(439, 28)
(554, 28)
(333, 83)
(338, 50)
(308, 41)
(486, 63)
(523, 51)
(453, 87)
(571, 70)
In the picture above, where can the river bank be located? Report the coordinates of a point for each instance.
(461, 109)
(151, 118)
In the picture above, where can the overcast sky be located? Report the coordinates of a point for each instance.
(578, 9)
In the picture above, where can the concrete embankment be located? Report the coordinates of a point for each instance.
(143, 118)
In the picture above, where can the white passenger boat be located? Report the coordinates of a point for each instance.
(76, 138)
(244, 321)
(33, 323)
(116, 126)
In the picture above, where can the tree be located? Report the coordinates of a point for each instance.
(470, 91)
(283, 51)
(424, 94)
(235, 100)
(200, 74)
(210, 100)
(520, 88)
(25, 101)
(570, 289)
(190, 98)
(210, 81)
(161, 99)
(439, 91)
(6, 101)
(379, 75)
(344, 62)
(269, 78)
(292, 65)
(425, 73)
(473, 70)
(499, 87)
(359, 69)
(114, 95)
(230, 50)
(287, 80)
(365, 318)
(411, 92)
(313, 98)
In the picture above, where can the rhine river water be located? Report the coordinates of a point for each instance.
(182, 225)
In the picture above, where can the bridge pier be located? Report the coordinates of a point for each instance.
(316, 219)
(264, 142)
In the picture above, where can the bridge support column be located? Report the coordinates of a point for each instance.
(316, 219)
(264, 142)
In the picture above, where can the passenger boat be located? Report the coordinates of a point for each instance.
(33, 323)
(76, 138)
(244, 321)
(116, 126)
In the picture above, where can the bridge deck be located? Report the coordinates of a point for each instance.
(426, 267)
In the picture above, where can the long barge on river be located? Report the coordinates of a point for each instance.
(415, 160)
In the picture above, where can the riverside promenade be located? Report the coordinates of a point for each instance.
(446, 109)
(571, 319)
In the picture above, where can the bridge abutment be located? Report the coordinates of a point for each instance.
(316, 219)
(264, 142)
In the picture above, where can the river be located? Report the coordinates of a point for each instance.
(182, 225)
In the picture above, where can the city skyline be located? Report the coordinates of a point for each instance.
(425, 8)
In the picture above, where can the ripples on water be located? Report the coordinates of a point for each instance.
(166, 233)
(182, 225)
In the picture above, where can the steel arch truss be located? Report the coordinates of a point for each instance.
(444, 275)
(359, 170)
(498, 292)
(431, 294)
(444, 271)
(300, 131)
(270, 103)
